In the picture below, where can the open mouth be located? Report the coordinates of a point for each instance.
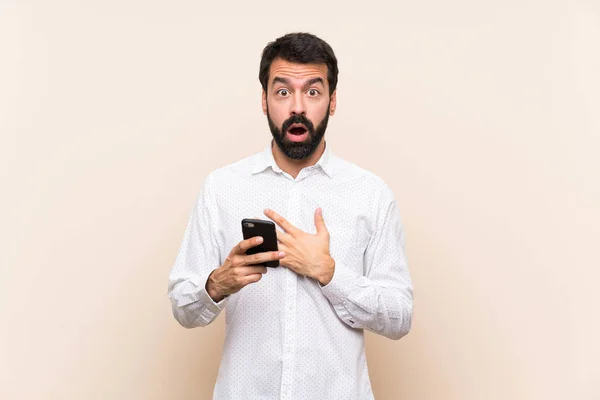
(297, 129)
(297, 133)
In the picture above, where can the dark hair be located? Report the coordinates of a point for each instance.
(302, 48)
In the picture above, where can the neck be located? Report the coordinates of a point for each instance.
(293, 167)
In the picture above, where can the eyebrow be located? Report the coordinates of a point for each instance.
(281, 80)
(314, 80)
(308, 83)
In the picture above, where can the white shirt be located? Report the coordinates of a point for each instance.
(287, 336)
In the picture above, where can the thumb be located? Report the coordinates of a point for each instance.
(320, 222)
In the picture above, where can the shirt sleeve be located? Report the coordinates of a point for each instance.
(381, 300)
(198, 256)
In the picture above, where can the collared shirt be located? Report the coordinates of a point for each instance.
(287, 336)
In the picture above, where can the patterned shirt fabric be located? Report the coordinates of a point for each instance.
(287, 336)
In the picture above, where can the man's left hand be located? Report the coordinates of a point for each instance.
(306, 254)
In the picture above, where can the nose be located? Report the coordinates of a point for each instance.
(298, 106)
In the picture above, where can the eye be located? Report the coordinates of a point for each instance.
(283, 92)
(313, 92)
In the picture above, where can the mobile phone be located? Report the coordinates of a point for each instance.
(266, 229)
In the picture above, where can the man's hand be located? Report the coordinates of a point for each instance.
(306, 254)
(237, 271)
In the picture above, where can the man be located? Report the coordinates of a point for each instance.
(296, 332)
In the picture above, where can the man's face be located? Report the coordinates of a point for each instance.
(298, 105)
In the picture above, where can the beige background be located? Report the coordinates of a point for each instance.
(482, 116)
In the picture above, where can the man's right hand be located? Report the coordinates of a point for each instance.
(238, 270)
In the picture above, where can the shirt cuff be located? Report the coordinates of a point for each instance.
(207, 301)
(340, 286)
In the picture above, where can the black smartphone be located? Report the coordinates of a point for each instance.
(265, 229)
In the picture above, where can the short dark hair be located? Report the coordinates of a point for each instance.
(302, 48)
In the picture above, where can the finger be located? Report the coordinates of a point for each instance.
(248, 279)
(283, 237)
(244, 245)
(283, 247)
(320, 222)
(250, 270)
(282, 222)
(263, 257)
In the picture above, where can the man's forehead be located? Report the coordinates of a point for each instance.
(283, 68)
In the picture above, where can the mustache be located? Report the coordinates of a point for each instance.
(297, 119)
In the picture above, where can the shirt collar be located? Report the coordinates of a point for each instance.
(265, 159)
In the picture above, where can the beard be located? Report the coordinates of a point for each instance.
(298, 150)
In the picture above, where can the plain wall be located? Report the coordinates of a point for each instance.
(483, 117)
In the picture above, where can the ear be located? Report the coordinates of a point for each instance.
(264, 102)
(333, 102)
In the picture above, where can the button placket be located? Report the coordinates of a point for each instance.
(289, 322)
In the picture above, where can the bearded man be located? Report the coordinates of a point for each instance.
(296, 332)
